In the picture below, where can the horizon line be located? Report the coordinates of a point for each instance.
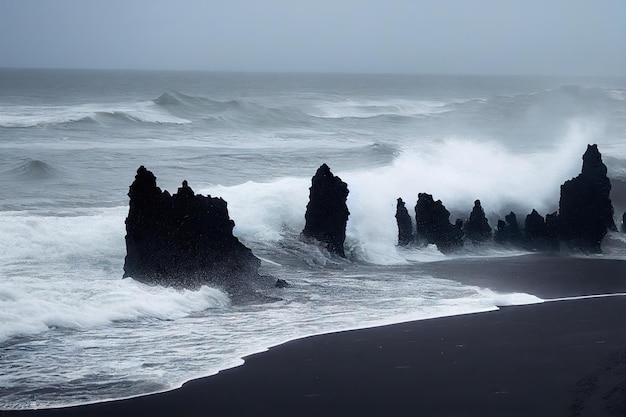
(314, 72)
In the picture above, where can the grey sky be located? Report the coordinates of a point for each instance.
(568, 37)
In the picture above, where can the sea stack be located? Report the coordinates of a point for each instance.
(327, 213)
(183, 240)
(536, 234)
(405, 224)
(585, 209)
(477, 227)
(508, 230)
(433, 224)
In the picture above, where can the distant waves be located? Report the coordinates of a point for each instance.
(47, 116)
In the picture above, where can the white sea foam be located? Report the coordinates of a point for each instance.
(93, 236)
(30, 306)
(82, 255)
(457, 171)
(264, 212)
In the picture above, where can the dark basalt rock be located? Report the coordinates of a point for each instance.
(535, 226)
(477, 227)
(433, 224)
(624, 222)
(327, 213)
(405, 225)
(552, 231)
(183, 240)
(540, 234)
(585, 209)
(508, 230)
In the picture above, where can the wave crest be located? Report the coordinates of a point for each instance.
(50, 116)
(33, 169)
(35, 310)
(366, 109)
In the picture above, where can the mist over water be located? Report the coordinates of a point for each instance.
(72, 331)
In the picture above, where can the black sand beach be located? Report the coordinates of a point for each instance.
(546, 276)
(559, 358)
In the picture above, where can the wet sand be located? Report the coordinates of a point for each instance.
(546, 276)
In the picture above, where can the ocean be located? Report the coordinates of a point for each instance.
(72, 331)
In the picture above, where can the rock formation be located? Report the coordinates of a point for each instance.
(585, 209)
(535, 227)
(433, 224)
(584, 217)
(327, 213)
(540, 234)
(405, 225)
(624, 222)
(183, 240)
(477, 227)
(508, 230)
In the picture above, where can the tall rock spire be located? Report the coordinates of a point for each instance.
(585, 209)
(327, 213)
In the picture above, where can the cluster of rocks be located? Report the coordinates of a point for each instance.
(186, 240)
(585, 215)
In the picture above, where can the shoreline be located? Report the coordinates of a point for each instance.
(554, 279)
(543, 275)
(564, 355)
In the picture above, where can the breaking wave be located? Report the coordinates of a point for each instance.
(457, 171)
(231, 112)
(176, 108)
(78, 249)
(47, 116)
(37, 310)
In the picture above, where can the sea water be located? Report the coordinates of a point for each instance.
(73, 331)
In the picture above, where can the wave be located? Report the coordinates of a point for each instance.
(30, 309)
(457, 171)
(83, 255)
(539, 108)
(34, 170)
(232, 113)
(172, 107)
(88, 246)
(566, 100)
(50, 116)
(364, 109)
(174, 100)
(245, 112)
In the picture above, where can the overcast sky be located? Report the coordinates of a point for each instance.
(553, 37)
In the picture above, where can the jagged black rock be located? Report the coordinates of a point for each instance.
(327, 213)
